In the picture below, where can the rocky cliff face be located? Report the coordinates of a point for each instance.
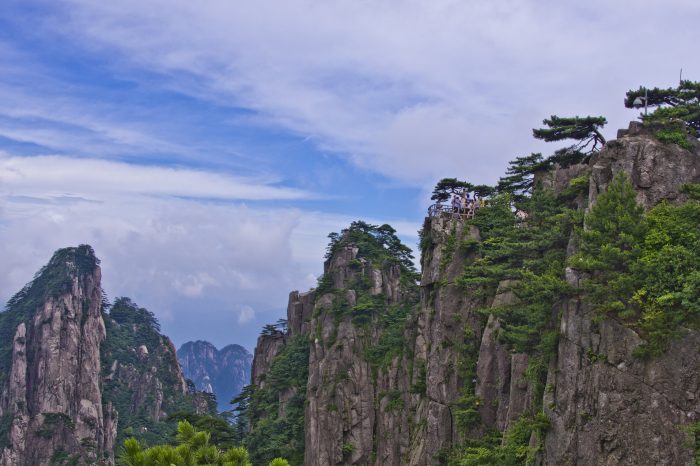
(453, 378)
(66, 398)
(142, 380)
(605, 405)
(52, 401)
(223, 372)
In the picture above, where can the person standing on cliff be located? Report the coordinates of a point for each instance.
(455, 203)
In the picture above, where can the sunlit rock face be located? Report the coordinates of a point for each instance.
(52, 399)
(615, 408)
(605, 407)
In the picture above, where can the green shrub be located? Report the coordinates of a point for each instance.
(645, 268)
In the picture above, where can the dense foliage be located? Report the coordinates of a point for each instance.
(447, 187)
(510, 449)
(222, 432)
(519, 179)
(377, 244)
(129, 327)
(194, 448)
(676, 115)
(268, 433)
(685, 98)
(645, 267)
(531, 254)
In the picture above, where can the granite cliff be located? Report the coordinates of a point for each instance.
(454, 369)
(78, 374)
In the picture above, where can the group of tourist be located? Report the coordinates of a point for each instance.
(464, 204)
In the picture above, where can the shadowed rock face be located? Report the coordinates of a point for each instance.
(223, 372)
(611, 409)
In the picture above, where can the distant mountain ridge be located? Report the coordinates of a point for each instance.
(223, 372)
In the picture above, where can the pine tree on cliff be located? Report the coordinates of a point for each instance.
(609, 246)
(681, 103)
(584, 130)
(519, 179)
(677, 111)
(447, 187)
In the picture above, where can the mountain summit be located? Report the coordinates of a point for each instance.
(222, 372)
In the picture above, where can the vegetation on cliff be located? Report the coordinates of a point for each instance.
(141, 377)
(535, 243)
(645, 267)
(378, 244)
(193, 448)
(676, 114)
(51, 281)
(269, 432)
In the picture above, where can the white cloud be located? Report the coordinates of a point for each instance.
(411, 89)
(415, 90)
(245, 314)
(176, 256)
(192, 285)
(56, 176)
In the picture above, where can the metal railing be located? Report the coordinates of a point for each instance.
(437, 210)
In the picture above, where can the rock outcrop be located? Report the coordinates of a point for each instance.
(222, 372)
(77, 377)
(607, 406)
(141, 377)
(52, 400)
(604, 405)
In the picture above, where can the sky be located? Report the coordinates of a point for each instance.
(206, 149)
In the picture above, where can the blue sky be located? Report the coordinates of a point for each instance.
(206, 149)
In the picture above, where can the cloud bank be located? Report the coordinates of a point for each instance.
(410, 89)
(210, 254)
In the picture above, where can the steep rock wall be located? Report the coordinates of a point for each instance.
(344, 397)
(53, 397)
(605, 405)
(77, 379)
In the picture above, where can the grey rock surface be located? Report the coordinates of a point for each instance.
(53, 395)
(606, 407)
(222, 372)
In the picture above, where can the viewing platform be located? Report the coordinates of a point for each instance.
(437, 210)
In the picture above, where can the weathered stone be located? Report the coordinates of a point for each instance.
(493, 377)
(55, 372)
(606, 406)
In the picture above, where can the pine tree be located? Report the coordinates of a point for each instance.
(519, 179)
(610, 244)
(193, 448)
(673, 105)
(584, 130)
(446, 187)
